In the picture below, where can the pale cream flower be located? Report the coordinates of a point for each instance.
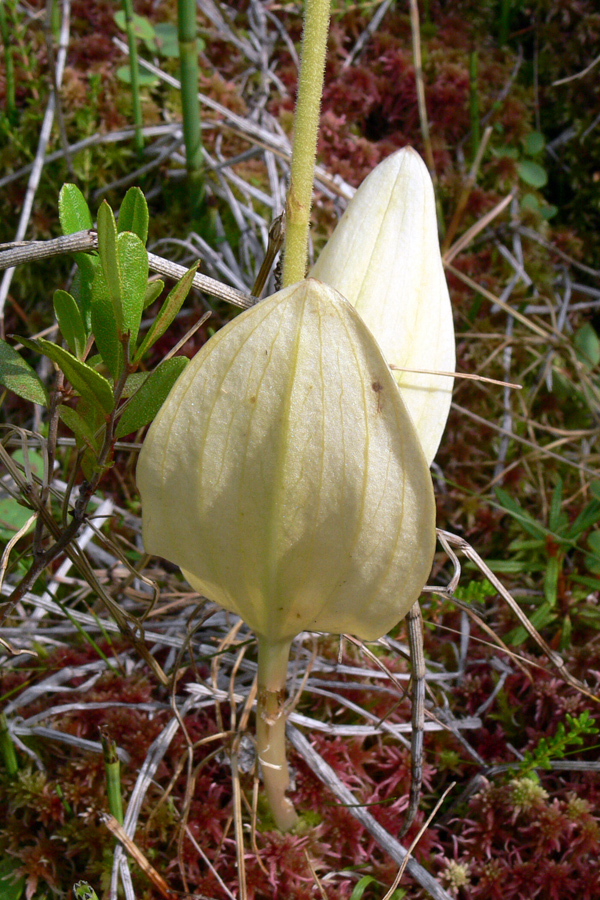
(384, 257)
(284, 475)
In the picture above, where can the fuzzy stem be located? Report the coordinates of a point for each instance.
(304, 148)
(135, 75)
(188, 55)
(273, 659)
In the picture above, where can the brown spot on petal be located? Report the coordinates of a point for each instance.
(378, 388)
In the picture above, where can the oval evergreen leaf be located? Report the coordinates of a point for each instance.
(153, 291)
(168, 311)
(104, 326)
(70, 322)
(132, 261)
(79, 426)
(145, 404)
(86, 381)
(133, 214)
(73, 211)
(17, 376)
(107, 246)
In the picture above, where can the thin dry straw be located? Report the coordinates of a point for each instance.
(471, 375)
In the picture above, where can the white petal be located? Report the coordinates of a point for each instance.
(284, 476)
(384, 257)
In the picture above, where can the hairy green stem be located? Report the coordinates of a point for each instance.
(304, 148)
(135, 75)
(188, 56)
(273, 659)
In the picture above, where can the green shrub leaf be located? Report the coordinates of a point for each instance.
(83, 283)
(144, 405)
(168, 311)
(70, 322)
(153, 291)
(73, 211)
(107, 245)
(104, 326)
(133, 214)
(85, 380)
(17, 376)
(133, 278)
(79, 426)
(125, 268)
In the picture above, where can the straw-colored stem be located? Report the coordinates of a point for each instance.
(304, 147)
(273, 659)
(188, 57)
(9, 70)
(135, 75)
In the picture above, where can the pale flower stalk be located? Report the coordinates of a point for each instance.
(284, 476)
(384, 257)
